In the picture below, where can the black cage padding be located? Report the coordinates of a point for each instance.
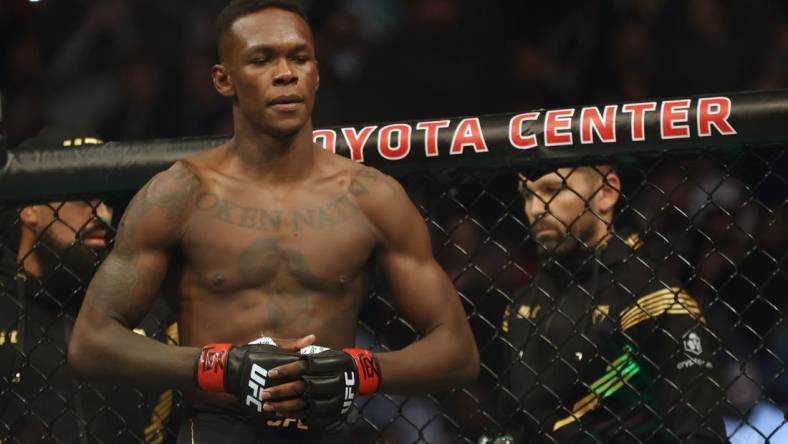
(618, 132)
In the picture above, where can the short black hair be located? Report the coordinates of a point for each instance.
(241, 8)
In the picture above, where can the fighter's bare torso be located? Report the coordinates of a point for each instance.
(281, 260)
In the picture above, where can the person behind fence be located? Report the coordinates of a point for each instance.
(49, 254)
(604, 345)
(263, 241)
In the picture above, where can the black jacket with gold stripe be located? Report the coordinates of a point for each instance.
(612, 350)
(40, 401)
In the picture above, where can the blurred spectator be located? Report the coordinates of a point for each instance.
(73, 61)
(49, 255)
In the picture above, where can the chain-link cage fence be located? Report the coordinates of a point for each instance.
(49, 253)
(672, 330)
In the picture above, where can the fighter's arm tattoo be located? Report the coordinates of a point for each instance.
(126, 285)
(130, 277)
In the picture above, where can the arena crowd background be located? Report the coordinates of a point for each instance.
(139, 69)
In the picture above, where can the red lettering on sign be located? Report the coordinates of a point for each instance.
(555, 120)
(603, 125)
(516, 137)
(468, 133)
(673, 112)
(328, 137)
(638, 121)
(714, 111)
(387, 149)
(431, 135)
(356, 141)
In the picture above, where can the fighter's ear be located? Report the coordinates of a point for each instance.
(30, 216)
(222, 80)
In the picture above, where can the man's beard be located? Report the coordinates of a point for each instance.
(569, 250)
(66, 270)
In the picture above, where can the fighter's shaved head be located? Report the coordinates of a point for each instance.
(241, 8)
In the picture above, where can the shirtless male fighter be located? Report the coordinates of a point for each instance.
(268, 235)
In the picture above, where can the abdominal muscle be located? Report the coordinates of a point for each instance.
(246, 315)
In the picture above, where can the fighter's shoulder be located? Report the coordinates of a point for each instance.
(170, 190)
(179, 174)
(194, 168)
(362, 181)
(372, 184)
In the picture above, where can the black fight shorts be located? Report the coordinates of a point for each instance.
(216, 426)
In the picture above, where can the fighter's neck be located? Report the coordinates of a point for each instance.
(273, 158)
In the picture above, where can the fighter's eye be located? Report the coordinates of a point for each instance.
(259, 61)
(301, 59)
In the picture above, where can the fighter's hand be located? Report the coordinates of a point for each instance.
(286, 398)
(328, 382)
(243, 371)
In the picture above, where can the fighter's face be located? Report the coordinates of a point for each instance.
(75, 232)
(557, 206)
(269, 61)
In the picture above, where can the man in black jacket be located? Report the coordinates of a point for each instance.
(48, 255)
(604, 346)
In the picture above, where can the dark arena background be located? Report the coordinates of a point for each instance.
(453, 98)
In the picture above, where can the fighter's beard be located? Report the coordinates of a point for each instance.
(66, 270)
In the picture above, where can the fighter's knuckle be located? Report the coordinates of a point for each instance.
(290, 389)
(294, 369)
(275, 392)
(289, 406)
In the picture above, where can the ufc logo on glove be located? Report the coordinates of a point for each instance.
(333, 378)
(350, 395)
(256, 383)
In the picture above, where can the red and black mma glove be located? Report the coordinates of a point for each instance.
(333, 380)
(242, 371)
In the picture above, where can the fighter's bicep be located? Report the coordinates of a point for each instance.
(420, 286)
(128, 281)
(125, 286)
(422, 291)
(400, 226)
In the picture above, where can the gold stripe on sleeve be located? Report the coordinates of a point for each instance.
(657, 307)
(673, 301)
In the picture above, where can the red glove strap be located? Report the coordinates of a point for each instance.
(368, 373)
(210, 367)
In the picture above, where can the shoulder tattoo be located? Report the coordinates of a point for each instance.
(171, 190)
(361, 181)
